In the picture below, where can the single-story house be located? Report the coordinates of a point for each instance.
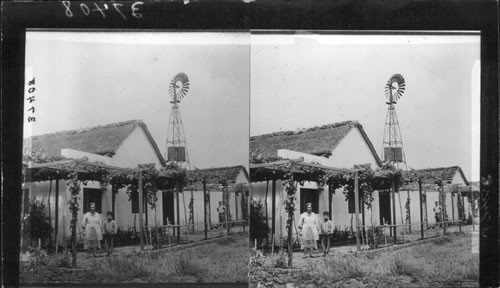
(124, 144)
(343, 145)
(453, 182)
(339, 145)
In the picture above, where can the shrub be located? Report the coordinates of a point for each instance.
(39, 221)
(375, 237)
(258, 227)
(64, 261)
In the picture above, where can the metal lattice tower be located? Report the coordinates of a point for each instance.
(176, 149)
(393, 150)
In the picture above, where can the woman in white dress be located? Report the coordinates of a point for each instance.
(92, 224)
(309, 227)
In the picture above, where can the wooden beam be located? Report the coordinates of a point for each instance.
(177, 190)
(141, 224)
(330, 198)
(273, 208)
(340, 170)
(205, 208)
(356, 209)
(32, 165)
(393, 220)
(421, 210)
(56, 212)
(277, 163)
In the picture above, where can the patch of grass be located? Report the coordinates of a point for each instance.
(405, 266)
(216, 263)
(208, 263)
(435, 263)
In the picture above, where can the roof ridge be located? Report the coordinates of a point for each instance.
(87, 129)
(352, 123)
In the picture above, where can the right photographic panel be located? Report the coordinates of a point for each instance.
(362, 143)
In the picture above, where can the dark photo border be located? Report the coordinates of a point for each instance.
(343, 16)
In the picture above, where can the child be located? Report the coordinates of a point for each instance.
(326, 230)
(109, 232)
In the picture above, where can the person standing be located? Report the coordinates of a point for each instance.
(438, 213)
(308, 225)
(109, 229)
(92, 224)
(221, 210)
(326, 231)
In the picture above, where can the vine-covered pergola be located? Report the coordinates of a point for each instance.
(145, 180)
(430, 179)
(214, 179)
(361, 178)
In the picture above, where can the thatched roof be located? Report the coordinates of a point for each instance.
(319, 141)
(214, 175)
(443, 173)
(102, 140)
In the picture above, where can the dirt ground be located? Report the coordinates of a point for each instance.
(224, 260)
(444, 262)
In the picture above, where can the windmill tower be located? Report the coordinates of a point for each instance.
(393, 151)
(176, 150)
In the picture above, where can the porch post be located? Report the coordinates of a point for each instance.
(227, 208)
(56, 228)
(452, 208)
(273, 209)
(113, 200)
(330, 197)
(289, 224)
(393, 222)
(205, 207)
(141, 224)
(236, 204)
(421, 208)
(177, 190)
(356, 208)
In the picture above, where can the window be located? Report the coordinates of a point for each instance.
(135, 202)
(351, 203)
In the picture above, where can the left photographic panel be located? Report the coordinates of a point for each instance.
(135, 157)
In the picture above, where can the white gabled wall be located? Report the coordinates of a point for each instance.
(353, 149)
(135, 149)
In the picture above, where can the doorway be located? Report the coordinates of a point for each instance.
(385, 207)
(309, 196)
(168, 207)
(92, 195)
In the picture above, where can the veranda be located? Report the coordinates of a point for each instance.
(145, 180)
(361, 181)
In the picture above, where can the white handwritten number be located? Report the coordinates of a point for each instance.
(68, 11)
(85, 9)
(135, 9)
(100, 10)
(116, 5)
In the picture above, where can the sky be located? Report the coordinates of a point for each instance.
(304, 80)
(86, 79)
(279, 82)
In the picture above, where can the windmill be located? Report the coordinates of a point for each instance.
(393, 151)
(176, 150)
